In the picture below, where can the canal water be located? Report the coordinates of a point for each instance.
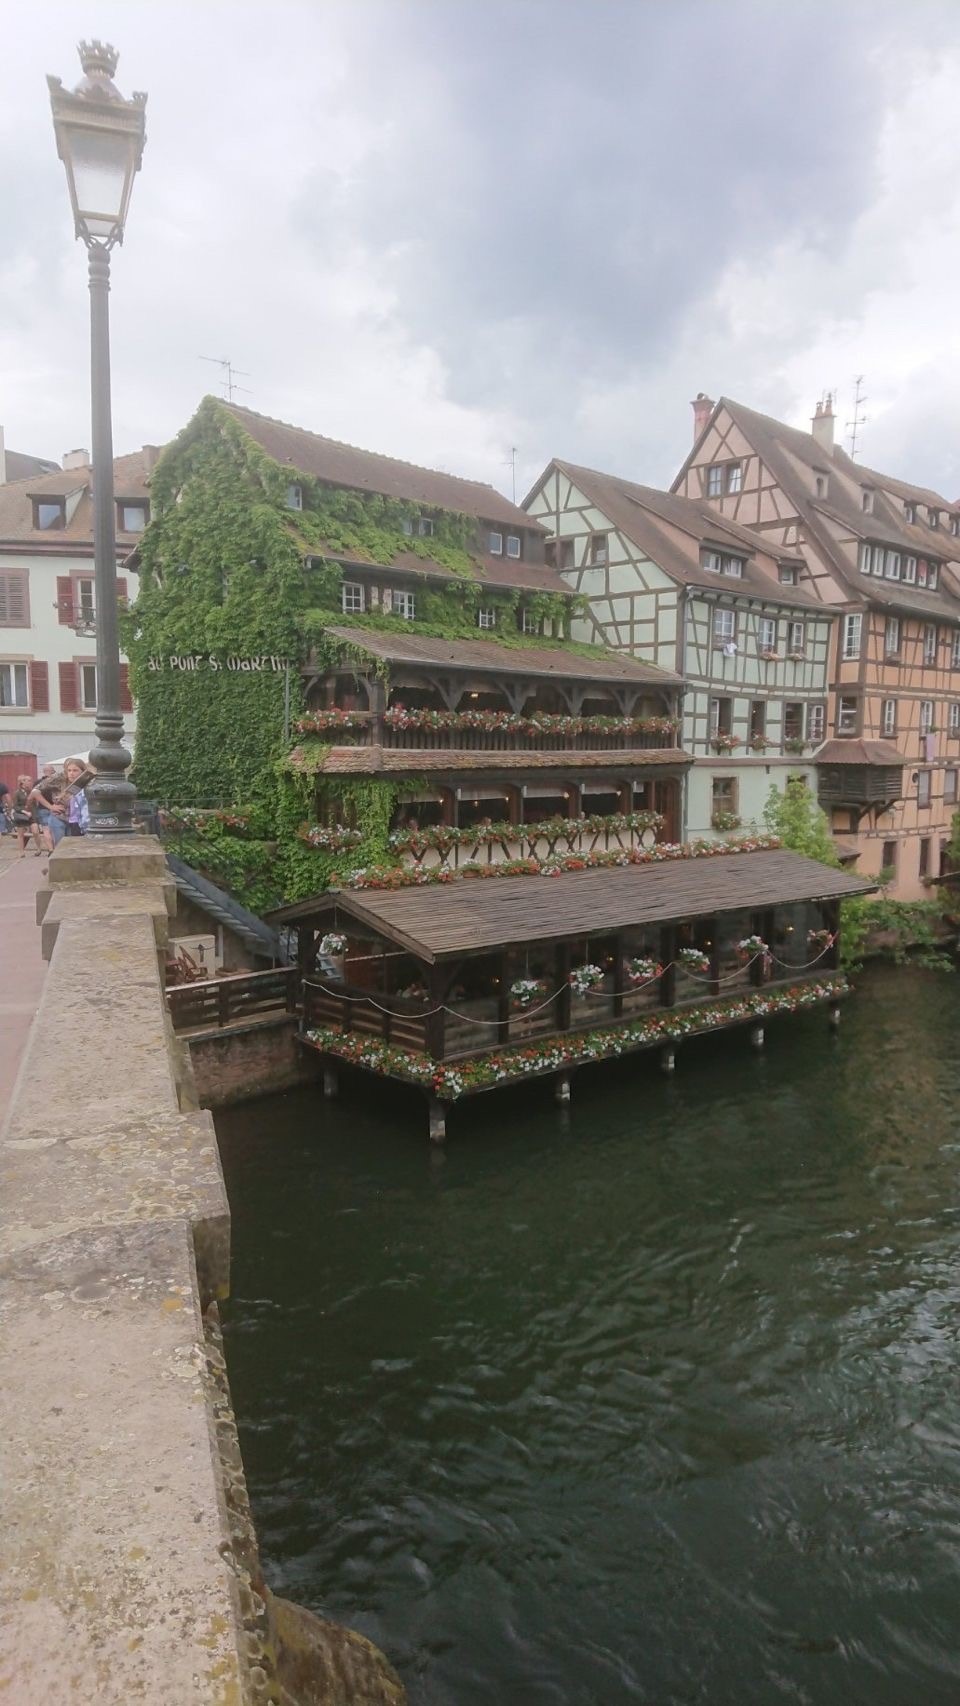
(658, 1401)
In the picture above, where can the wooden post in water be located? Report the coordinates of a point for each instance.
(561, 1091)
(756, 1036)
(437, 1119)
(331, 1083)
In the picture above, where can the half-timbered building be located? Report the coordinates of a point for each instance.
(667, 580)
(884, 554)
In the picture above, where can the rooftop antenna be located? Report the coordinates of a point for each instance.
(228, 377)
(511, 463)
(859, 418)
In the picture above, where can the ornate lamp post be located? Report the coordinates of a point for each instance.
(100, 139)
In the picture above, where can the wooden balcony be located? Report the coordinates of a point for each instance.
(370, 728)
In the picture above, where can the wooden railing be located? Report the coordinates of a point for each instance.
(224, 1001)
(388, 1017)
(373, 731)
(521, 845)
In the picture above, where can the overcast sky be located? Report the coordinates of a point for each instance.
(441, 228)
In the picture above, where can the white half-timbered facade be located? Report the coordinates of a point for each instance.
(668, 581)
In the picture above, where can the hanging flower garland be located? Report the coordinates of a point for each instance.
(584, 978)
(695, 960)
(331, 717)
(334, 838)
(642, 970)
(407, 719)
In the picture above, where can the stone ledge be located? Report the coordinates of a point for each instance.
(118, 859)
(95, 903)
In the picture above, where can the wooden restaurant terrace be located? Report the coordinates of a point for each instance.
(472, 984)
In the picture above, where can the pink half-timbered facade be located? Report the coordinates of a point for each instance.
(886, 556)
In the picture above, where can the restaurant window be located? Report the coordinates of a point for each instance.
(513, 544)
(714, 482)
(924, 787)
(924, 866)
(14, 686)
(132, 517)
(926, 716)
(793, 720)
(848, 712)
(724, 627)
(405, 605)
(816, 722)
(768, 633)
(852, 627)
(888, 718)
(953, 718)
(950, 787)
(351, 598)
(735, 477)
(721, 716)
(888, 857)
(14, 599)
(598, 549)
(495, 544)
(486, 617)
(891, 636)
(929, 642)
(797, 644)
(758, 718)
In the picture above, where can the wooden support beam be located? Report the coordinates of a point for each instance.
(668, 953)
(561, 1090)
(436, 1021)
(436, 1120)
(331, 1083)
(618, 974)
(561, 974)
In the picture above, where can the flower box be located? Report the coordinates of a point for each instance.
(724, 743)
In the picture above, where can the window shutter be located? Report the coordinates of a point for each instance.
(39, 687)
(69, 696)
(126, 700)
(13, 599)
(64, 607)
(122, 588)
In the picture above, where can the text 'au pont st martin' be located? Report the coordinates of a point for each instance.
(200, 660)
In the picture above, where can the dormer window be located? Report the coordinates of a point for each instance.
(933, 577)
(294, 497)
(910, 570)
(787, 575)
(933, 516)
(132, 517)
(49, 513)
(486, 617)
(955, 526)
(719, 563)
(821, 485)
(733, 566)
(513, 545)
(425, 527)
(910, 513)
(495, 544)
(866, 500)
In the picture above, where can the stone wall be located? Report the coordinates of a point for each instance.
(249, 1060)
(130, 1563)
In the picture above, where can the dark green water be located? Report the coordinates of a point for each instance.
(659, 1404)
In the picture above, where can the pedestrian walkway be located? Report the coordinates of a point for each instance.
(21, 968)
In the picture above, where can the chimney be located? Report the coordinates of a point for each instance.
(76, 459)
(702, 407)
(822, 424)
(151, 456)
(3, 461)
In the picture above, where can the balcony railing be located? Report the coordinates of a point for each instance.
(480, 848)
(369, 728)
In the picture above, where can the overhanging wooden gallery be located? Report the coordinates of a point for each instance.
(472, 984)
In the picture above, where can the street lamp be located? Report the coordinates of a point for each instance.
(100, 139)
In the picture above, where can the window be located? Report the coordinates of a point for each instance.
(910, 570)
(567, 554)
(852, 626)
(407, 526)
(793, 720)
(723, 795)
(816, 722)
(866, 558)
(910, 513)
(926, 716)
(921, 571)
(405, 605)
(735, 477)
(933, 516)
(513, 544)
(888, 857)
(821, 485)
(529, 623)
(425, 527)
(598, 548)
(49, 513)
(950, 787)
(88, 686)
(866, 500)
(767, 633)
(132, 518)
(15, 599)
(955, 651)
(924, 867)
(486, 617)
(924, 787)
(953, 718)
(495, 544)
(929, 642)
(879, 559)
(714, 482)
(758, 718)
(294, 499)
(721, 716)
(848, 714)
(787, 576)
(891, 636)
(733, 566)
(797, 636)
(955, 526)
(713, 561)
(933, 577)
(14, 686)
(892, 570)
(351, 598)
(888, 718)
(724, 627)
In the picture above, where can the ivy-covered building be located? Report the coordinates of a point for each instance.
(343, 661)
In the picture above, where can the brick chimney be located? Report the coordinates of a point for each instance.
(703, 407)
(822, 424)
(76, 459)
(151, 456)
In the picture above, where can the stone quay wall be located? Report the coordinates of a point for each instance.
(242, 1061)
(130, 1567)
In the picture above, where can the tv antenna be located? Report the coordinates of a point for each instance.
(511, 463)
(859, 418)
(228, 376)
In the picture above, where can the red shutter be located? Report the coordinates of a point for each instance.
(126, 702)
(39, 687)
(122, 589)
(64, 606)
(69, 696)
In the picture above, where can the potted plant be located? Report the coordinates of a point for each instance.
(819, 938)
(724, 743)
(642, 970)
(524, 991)
(583, 979)
(750, 946)
(794, 743)
(694, 960)
(334, 946)
(724, 820)
(759, 743)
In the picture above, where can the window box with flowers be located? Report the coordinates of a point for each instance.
(725, 821)
(724, 743)
(794, 744)
(583, 979)
(759, 743)
(642, 970)
(770, 654)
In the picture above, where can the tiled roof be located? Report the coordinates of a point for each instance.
(393, 761)
(858, 752)
(556, 661)
(130, 474)
(21, 467)
(366, 470)
(640, 512)
(491, 571)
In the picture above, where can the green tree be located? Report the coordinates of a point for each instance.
(796, 819)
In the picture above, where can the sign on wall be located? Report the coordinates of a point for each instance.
(196, 661)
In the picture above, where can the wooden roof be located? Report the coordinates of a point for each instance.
(454, 761)
(473, 916)
(558, 661)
